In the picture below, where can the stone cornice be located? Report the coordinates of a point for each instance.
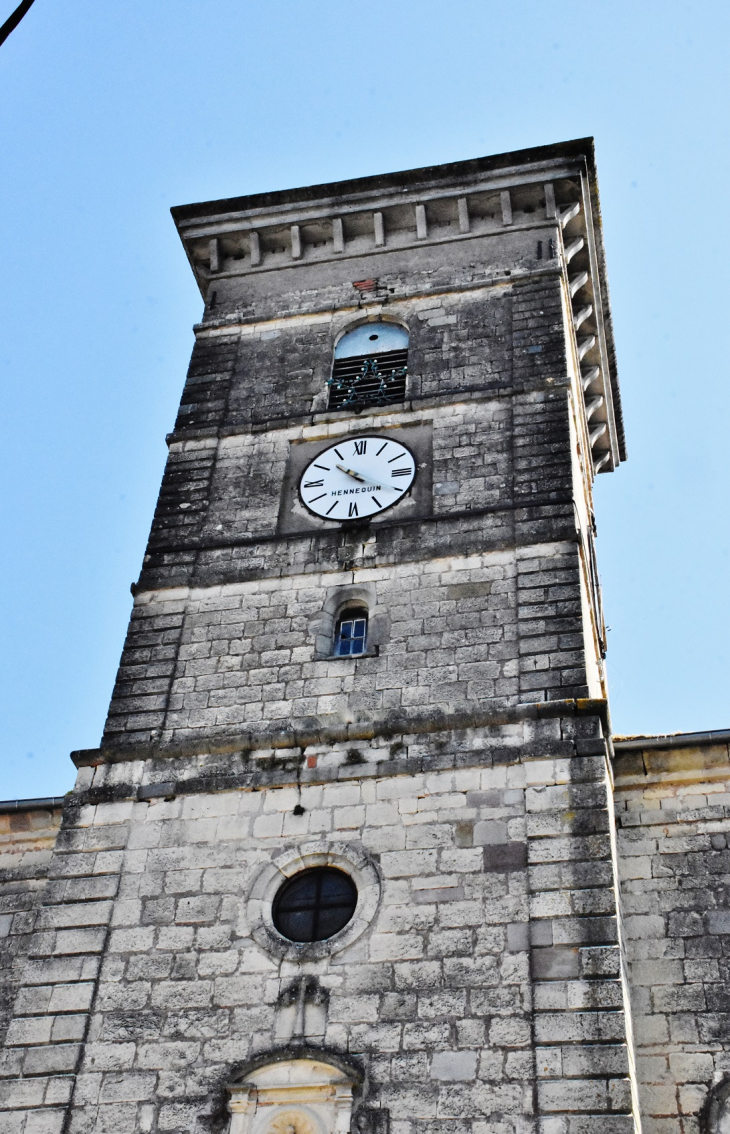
(562, 157)
(323, 733)
(550, 192)
(679, 758)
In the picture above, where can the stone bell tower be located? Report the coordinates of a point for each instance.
(343, 860)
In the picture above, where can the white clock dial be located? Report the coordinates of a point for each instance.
(356, 478)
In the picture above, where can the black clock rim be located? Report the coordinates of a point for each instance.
(357, 519)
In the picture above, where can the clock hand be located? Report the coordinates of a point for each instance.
(350, 472)
(367, 479)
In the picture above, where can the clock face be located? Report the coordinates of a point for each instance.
(358, 477)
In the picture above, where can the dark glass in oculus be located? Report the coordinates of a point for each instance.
(351, 633)
(315, 904)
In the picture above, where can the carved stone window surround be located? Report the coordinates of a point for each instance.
(266, 883)
(322, 626)
(305, 1093)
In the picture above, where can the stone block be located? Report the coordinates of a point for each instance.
(454, 1066)
(46, 1121)
(31, 1030)
(51, 1060)
(129, 1086)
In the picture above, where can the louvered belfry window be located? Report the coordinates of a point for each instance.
(370, 367)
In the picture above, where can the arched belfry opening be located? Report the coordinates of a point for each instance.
(370, 367)
(309, 1092)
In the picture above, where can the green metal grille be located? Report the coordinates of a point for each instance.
(362, 381)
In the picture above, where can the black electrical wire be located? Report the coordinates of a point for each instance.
(12, 21)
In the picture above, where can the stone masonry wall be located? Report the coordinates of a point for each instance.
(27, 839)
(458, 768)
(452, 636)
(503, 342)
(279, 366)
(501, 480)
(673, 814)
(145, 991)
(271, 373)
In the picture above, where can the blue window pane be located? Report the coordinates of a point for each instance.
(351, 636)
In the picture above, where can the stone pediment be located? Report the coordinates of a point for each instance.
(305, 1094)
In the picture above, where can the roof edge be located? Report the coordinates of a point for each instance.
(671, 740)
(43, 803)
(574, 148)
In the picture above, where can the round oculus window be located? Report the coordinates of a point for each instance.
(314, 904)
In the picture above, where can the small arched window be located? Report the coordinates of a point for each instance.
(351, 632)
(370, 367)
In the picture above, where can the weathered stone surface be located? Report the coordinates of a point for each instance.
(673, 816)
(456, 770)
(26, 845)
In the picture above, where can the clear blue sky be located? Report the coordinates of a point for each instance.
(112, 112)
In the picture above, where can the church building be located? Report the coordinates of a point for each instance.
(358, 851)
